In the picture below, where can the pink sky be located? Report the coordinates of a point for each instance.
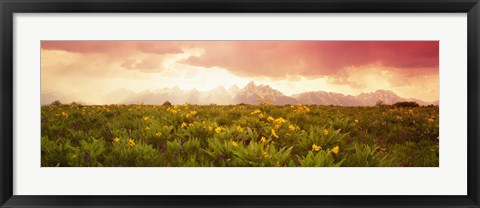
(405, 67)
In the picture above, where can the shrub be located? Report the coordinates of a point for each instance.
(406, 104)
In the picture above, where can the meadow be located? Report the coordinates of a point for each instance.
(264, 135)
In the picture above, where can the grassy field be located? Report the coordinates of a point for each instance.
(239, 136)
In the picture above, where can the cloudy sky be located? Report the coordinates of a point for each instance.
(85, 70)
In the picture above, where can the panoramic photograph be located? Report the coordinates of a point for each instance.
(239, 103)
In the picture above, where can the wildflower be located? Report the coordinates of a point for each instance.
(193, 113)
(325, 132)
(158, 134)
(116, 140)
(336, 149)
(74, 156)
(145, 118)
(210, 128)
(306, 109)
(279, 121)
(277, 164)
(356, 120)
(147, 128)
(261, 116)
(239, 129)
(188, 115)
(255, 112)
(218, 130)
(430, 120)
(277, 126)
(191, 124)
(234, 143)
(291, 127)
(316, 148)
(274, 134)
(264, 153)
(263, 139)
(131, 142)
(64, 115)
(270, 118)
(173, 111)
(410, 111)
(184, 125)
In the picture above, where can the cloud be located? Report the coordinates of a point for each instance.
(309, 58)
(114, 47)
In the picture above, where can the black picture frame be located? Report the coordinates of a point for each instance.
(10, 7)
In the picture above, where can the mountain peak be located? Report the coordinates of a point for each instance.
(251, 84)
(385, 92)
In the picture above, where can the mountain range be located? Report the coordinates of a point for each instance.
(249, 95)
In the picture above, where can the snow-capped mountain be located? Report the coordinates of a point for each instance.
(363, 99)
(247, 95)
(250, 93)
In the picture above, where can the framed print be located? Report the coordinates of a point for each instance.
(261, 104)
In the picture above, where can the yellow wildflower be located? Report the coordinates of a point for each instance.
(234, 143)
(336, 149)
(263, 139)
(325, 132)
(158, 134)
(218, 130)
(316, 148)
(255, 112)
(279, 121)
(274, 134)
(430, 120)
(239, 129)
(146, 118)
(190, 124)
(188, 115)
(131, 142)
(356, 120)
(264, 153)
(210, 128)
(193, 113)
(184, 125)
(291, 127)
(270, 118)
(261, 116)
(64, 115)
(307, 109)
(116, 139)
(74, 156)
(147, 128)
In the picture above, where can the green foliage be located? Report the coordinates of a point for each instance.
(238, 136)
(319, 159)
